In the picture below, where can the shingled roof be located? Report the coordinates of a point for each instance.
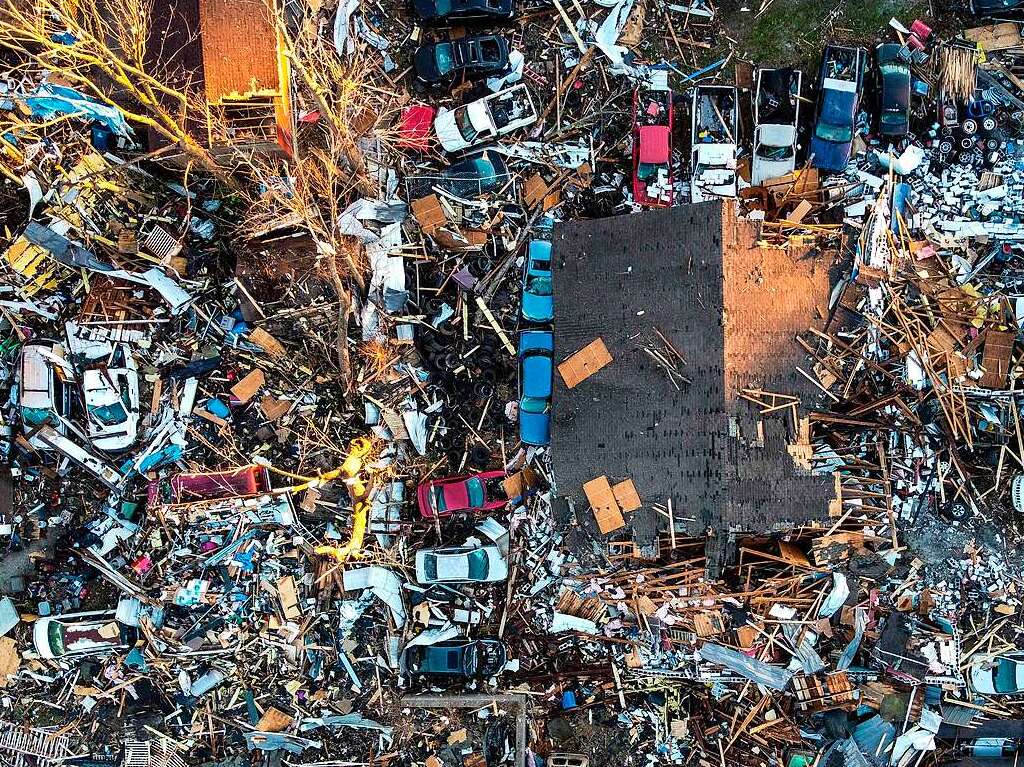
(695, 274)
(239, 49)
(227, 53)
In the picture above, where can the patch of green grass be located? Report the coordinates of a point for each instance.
(793, 32)
(868, 20)
(780, 35)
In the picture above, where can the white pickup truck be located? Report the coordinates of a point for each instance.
(485, 119)
(713, 139)
(776, 116)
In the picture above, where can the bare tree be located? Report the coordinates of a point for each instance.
(315, 197)
(353, 98)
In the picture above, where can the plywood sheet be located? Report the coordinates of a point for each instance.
(626, 495)
(246, 389)
(606, 509)
(289, 599)
(584, 363)
(995, 37)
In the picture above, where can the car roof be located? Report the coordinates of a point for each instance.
(654, 144)
(537, 371)
(536, 339)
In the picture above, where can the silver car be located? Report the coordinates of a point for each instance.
(482, 564)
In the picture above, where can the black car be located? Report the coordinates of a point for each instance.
(460, 657)
(439, 11)
(894, 103)
(470, 177)
(476, 55)
(992, 7)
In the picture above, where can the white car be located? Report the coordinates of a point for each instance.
(88, 633)
(999, 675)
(43, 398)
(485, 119)
(713, 137)
(776, 115)
(112, 402)
(482, 564)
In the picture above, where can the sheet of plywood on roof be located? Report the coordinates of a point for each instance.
(584, 363)
(996, 359)
(602, 501)
(626, 495)
(240, 56)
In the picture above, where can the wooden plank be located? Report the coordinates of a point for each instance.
(274, 408)
(266, 342)
(289, 599)
(584, 363)
(246, 389)
(274, 720)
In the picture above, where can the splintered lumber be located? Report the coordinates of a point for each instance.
(494, 324)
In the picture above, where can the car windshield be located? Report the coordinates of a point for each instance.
(775, 152)
(469, 664)
(465, 124)
(646, 170)
(896, 70)
(36, 416)
(477, 560)
(475, 488)
(539, 286)
(893, 117)
(444, 7)
(533, 405)
(109, 415)
(55, 636)
(437, 492)
(489, 51)
(430, 567)
(482, 168)
(473, 176)
(1006, 676)
(839, 134)
(444, 59)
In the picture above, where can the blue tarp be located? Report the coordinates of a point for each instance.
(52, 100)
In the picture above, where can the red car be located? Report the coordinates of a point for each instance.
(652, 147)
(470, 492)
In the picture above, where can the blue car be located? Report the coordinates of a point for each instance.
(538, 301)
(536, 368)
(839, 86)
